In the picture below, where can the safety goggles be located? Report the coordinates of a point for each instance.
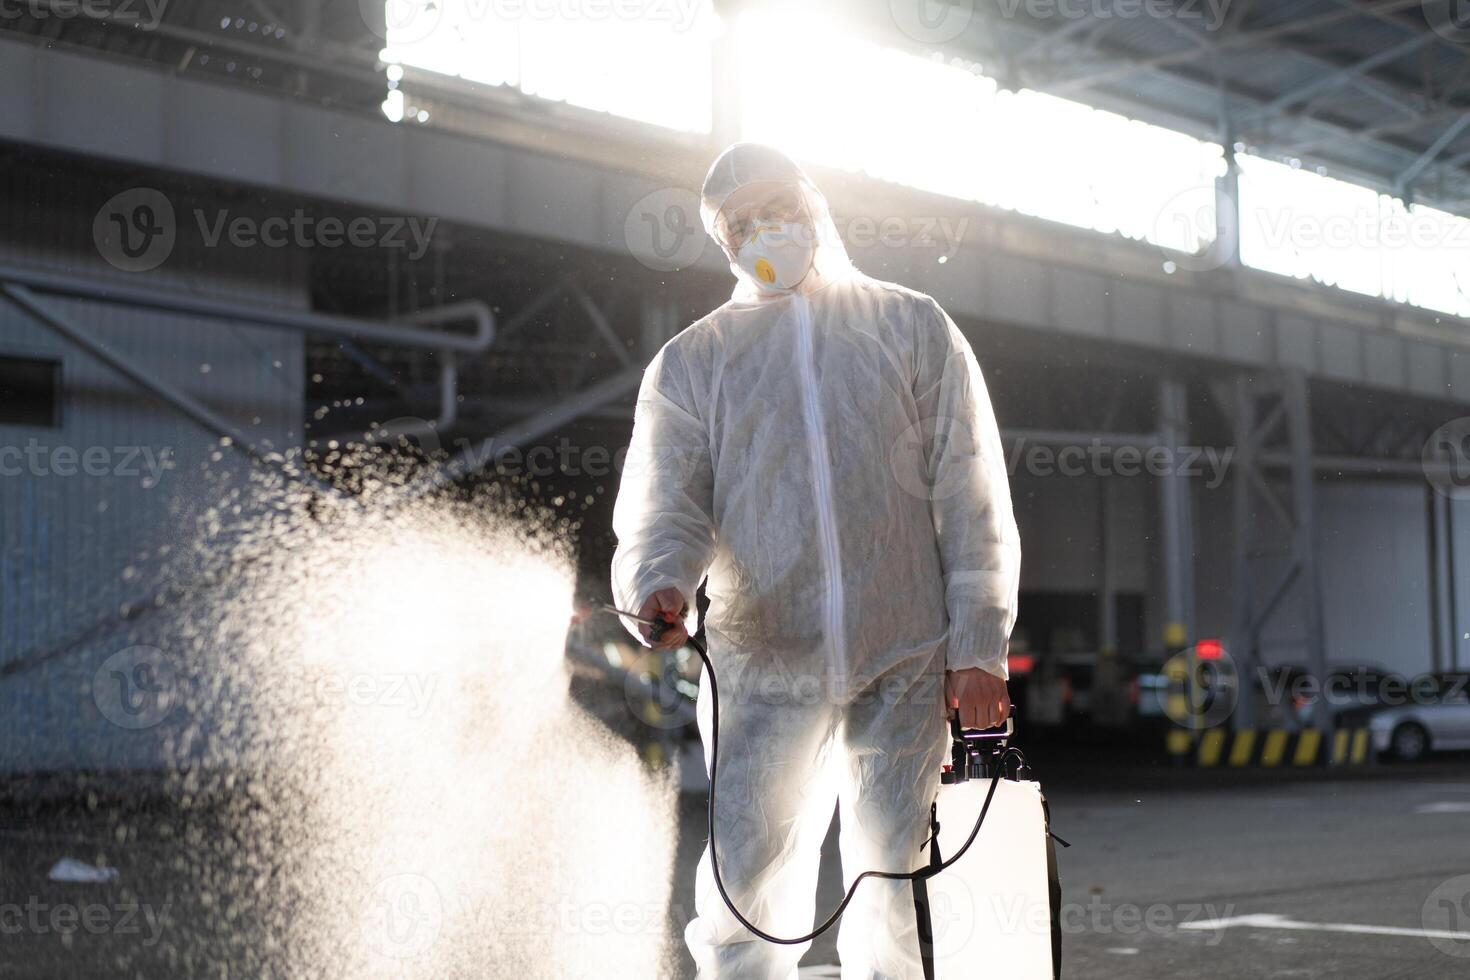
(745, 214)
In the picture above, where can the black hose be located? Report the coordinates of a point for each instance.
(921, 875)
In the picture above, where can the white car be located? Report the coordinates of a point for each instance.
(1424, 724)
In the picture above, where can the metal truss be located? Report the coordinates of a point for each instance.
(1274, 540)
(1391, 110)
(579, 391)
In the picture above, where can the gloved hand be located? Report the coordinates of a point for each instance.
(668, 605)
(980, 697)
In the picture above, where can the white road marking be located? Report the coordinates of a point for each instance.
(820, 972)
(1455, 806)
(1124, 951)
(1269, 921)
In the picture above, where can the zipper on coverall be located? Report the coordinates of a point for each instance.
(822, 480)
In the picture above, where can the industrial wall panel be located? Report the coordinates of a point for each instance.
(1016, 290)
(1296, 341)
(1427, 369)
(228, 132)
(1133, 512)
(344, 157)
(49, 219)
(1384, 357)
(1339, 351)
(1459, 362)
(1057, 516)
(470, 186)
(958, 284)
(1245, 333)
(1138, 312)
(1213, 571)
(102, 502)
(946, 283)
(125, 118)
(1374, 551)
(1458, 657)
(560, 199)
(1080, 301)
(1193, 326)
(19, 107)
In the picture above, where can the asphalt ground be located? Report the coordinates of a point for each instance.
(1364, 876)
(1343, 875)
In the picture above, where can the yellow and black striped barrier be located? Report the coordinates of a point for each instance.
(1272, 748)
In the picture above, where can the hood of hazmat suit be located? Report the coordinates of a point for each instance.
(826, 454)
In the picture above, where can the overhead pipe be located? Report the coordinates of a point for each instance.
(407, 333)
(472, 459)
(185, 403)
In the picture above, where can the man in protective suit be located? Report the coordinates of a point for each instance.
(823, 448)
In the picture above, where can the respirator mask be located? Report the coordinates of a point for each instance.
(778, 255)
(769, 231)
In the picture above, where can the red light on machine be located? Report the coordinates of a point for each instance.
(1020, 663)
(1209, 650)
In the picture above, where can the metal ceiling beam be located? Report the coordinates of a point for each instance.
(1242, 40)
(1368, 88)
(1035, 75)
(1402, 25)
(1042, 42)
(1453, 130)
(1236, 17)
(1457, 159)
(1373, 132)
(1338, 77)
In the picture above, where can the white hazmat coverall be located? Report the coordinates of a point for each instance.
(827, 455)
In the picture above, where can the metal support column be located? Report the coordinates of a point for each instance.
(1178, 570)
(1178, 519)
(1276, 542)
(1107, 611)
(1452, 613)
(1441, 595)
(1304, 537)
(1227, 198)
(1245, 472)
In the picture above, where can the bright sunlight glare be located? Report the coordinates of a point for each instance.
(832, 97)
(1298, 223)
(653, 64)
(943, 127)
